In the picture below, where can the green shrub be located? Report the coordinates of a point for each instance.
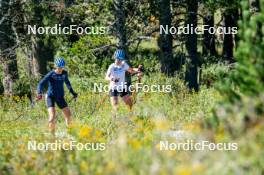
(212, 73)
(82, 60)
(243, 88)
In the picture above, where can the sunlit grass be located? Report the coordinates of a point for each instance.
(132, 138)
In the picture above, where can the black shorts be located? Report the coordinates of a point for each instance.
(115, 93)
(60, 101)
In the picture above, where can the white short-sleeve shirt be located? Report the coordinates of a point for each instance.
(117, 72)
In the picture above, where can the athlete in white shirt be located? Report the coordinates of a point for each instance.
(116, 76)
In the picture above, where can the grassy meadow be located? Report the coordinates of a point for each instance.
(132, 139)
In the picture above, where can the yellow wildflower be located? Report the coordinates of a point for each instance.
(85, 131)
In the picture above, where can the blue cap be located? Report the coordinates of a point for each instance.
(119, 54)
(59, 62)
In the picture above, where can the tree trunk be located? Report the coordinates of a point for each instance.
(209, 39)
(191, 76)
(29, 67)
(254, 7)
(41, 53)
(120, 24)
(165, 39)
(10, 74)
(7, 47)
(230, 20)
(121, 32)
(68, 3)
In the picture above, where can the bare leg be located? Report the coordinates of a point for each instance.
(52, 119)
(128, 101)
(67, 115)
(114, 101)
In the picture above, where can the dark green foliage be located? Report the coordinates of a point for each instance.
(213, 73)
(242, 107)
(248, 76)
(22, 87)
(148, 58)
(83, 60)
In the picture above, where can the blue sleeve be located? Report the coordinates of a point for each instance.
(68, 83)
(42, 82)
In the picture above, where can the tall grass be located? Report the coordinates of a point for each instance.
(132, 138)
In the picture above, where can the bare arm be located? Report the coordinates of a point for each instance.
(132, 70)
(135, 70)
(108, 75)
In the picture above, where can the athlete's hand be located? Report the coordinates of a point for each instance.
(116, 80)
(39, 96)
(75, 95)
(140, 68)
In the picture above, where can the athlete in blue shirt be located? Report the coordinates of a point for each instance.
(55, 93)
